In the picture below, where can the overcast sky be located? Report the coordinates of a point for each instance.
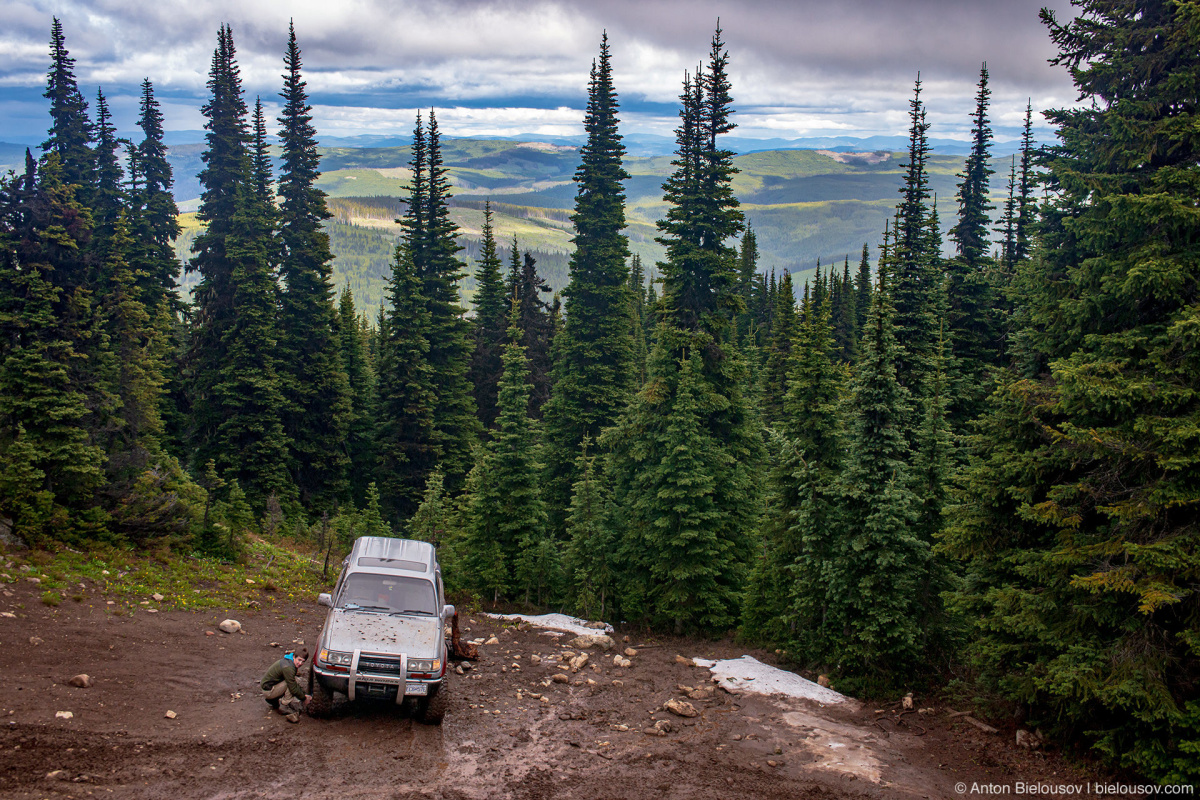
(798, 67)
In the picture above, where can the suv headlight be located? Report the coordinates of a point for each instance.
(334, 657)
(416, 665)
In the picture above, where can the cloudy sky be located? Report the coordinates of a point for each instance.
(799, 67)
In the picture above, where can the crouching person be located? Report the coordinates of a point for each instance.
(280, 688)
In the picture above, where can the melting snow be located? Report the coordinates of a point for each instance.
(557, 622)
(748, 674)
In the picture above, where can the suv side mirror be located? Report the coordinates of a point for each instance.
(447, 613)
(325, 599)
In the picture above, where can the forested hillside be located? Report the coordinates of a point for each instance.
(963, 454)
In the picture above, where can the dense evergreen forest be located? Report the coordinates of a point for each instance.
(917, 469)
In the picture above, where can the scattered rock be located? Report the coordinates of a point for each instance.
(63, 715)
(626, 639)
(772, 763)
(621, 728)
(681, 708)
(908, 701)
(737, 737)
(618, 683)
(230, 626)
(56, 775)
(579, 662)
(492, 640)
(664, 725)
(34, 580)
(629, 651)
(458, 670)
(701, 693)
(601, 641)
(170, 715)
(82, 681)
(687, 662)
(8, 614)
(778, 750)
(654, 732)
(560, 678)
(596, 625)
(35, 640)
(523, 626)
(210, 633)
(250, 580)
(158, 598)
(468, 666)
(151, 610)
(619, 661)
(535, 659)
(823, 681)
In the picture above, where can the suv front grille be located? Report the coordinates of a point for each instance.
(376, 664)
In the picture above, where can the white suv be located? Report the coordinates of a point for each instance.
(384, 634)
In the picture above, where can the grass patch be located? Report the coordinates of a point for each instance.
(268, 573)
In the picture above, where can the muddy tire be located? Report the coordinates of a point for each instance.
(432, 709)
(321, 704)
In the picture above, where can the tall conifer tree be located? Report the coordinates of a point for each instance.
(316, 389)
(594, 359)
(489, 325)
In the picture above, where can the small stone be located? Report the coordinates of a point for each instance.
(626, 639)
(34, 580)
(35, 640)
(737, 737)
(701, 693)
(82, 681)
(681, 708)
(629, 651)
(230, 626)
(458, 670)
(591, 682)
(151, 610)
(664, 725)
(492, 640)
(144, 603)
(653, 732)
(823, 680)
(772, 763)
(170, 715)
(560, 678)
(210, 633)
(618, 683)
(687, 662)
(63, 715)
(778, 750)
(535, 659)
(908, 701)
(621, 728)
(468, 666)
(1028, 740)
(158, 598)
(8, 615)
(579, 662)
(55, 775)
(601, 641)
(250, 580)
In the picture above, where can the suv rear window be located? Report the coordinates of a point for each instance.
(387, 593)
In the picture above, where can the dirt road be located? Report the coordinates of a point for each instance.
(512, 731)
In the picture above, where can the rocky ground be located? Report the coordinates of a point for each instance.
(524, 721)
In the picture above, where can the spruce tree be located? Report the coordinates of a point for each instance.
(489, 325)
(779, 356)
(404, 430)
(1077, 525)
(224, 180)
(1026, 205)
(638, 315)
(361, 378)
(508, 523)
(157, 220)
(251, 444)
(588, 563)
(536, 321)
(108, 198)
(844, 316)
(71, 132)
(50, 470)
(434, 253)
(594, 357)
(316, 389)
(747, 272)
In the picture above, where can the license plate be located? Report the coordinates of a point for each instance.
(416, 688)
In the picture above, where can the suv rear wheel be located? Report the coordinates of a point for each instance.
(432, 709)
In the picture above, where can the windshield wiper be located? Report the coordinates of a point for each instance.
(412, 611)
(357, 607)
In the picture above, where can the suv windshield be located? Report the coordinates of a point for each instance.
(387, 593)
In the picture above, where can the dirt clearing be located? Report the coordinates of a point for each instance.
(527, 721)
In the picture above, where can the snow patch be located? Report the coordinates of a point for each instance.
(556, 622)
(748, 674)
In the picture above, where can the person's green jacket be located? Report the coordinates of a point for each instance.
(283, 670)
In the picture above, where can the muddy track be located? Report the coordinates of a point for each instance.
(512, 730)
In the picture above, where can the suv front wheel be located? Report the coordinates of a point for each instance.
(432, 709)
(321, 704)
